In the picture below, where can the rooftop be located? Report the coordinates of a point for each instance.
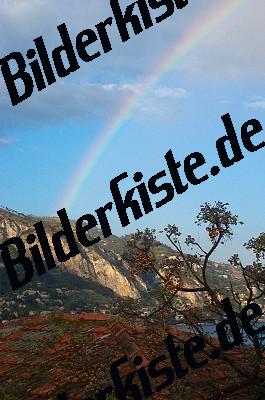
(41, 356)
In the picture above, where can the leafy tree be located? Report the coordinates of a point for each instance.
(189, 273)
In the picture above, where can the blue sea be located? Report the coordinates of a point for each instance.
(210, 329)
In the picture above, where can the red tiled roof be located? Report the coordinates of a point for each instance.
(41, 356)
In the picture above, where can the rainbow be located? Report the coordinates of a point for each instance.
(189, 41)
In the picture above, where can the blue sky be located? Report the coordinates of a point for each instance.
(43, 140)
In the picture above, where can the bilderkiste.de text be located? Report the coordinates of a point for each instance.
(142, 199)
(37, 68)
(193, 350)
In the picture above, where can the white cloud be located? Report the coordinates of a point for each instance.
(224, 101)
(72, 101)
(259, 103)
(232, 50)
(4, 141)
(160, 92)
(171, 92)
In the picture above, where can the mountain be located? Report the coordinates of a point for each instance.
(92, 281)
(97, 276)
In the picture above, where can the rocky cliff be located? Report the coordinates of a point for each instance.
(95, 263)
(91, 281)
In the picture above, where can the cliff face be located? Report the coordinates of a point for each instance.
(99, 269)
(94, 263)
